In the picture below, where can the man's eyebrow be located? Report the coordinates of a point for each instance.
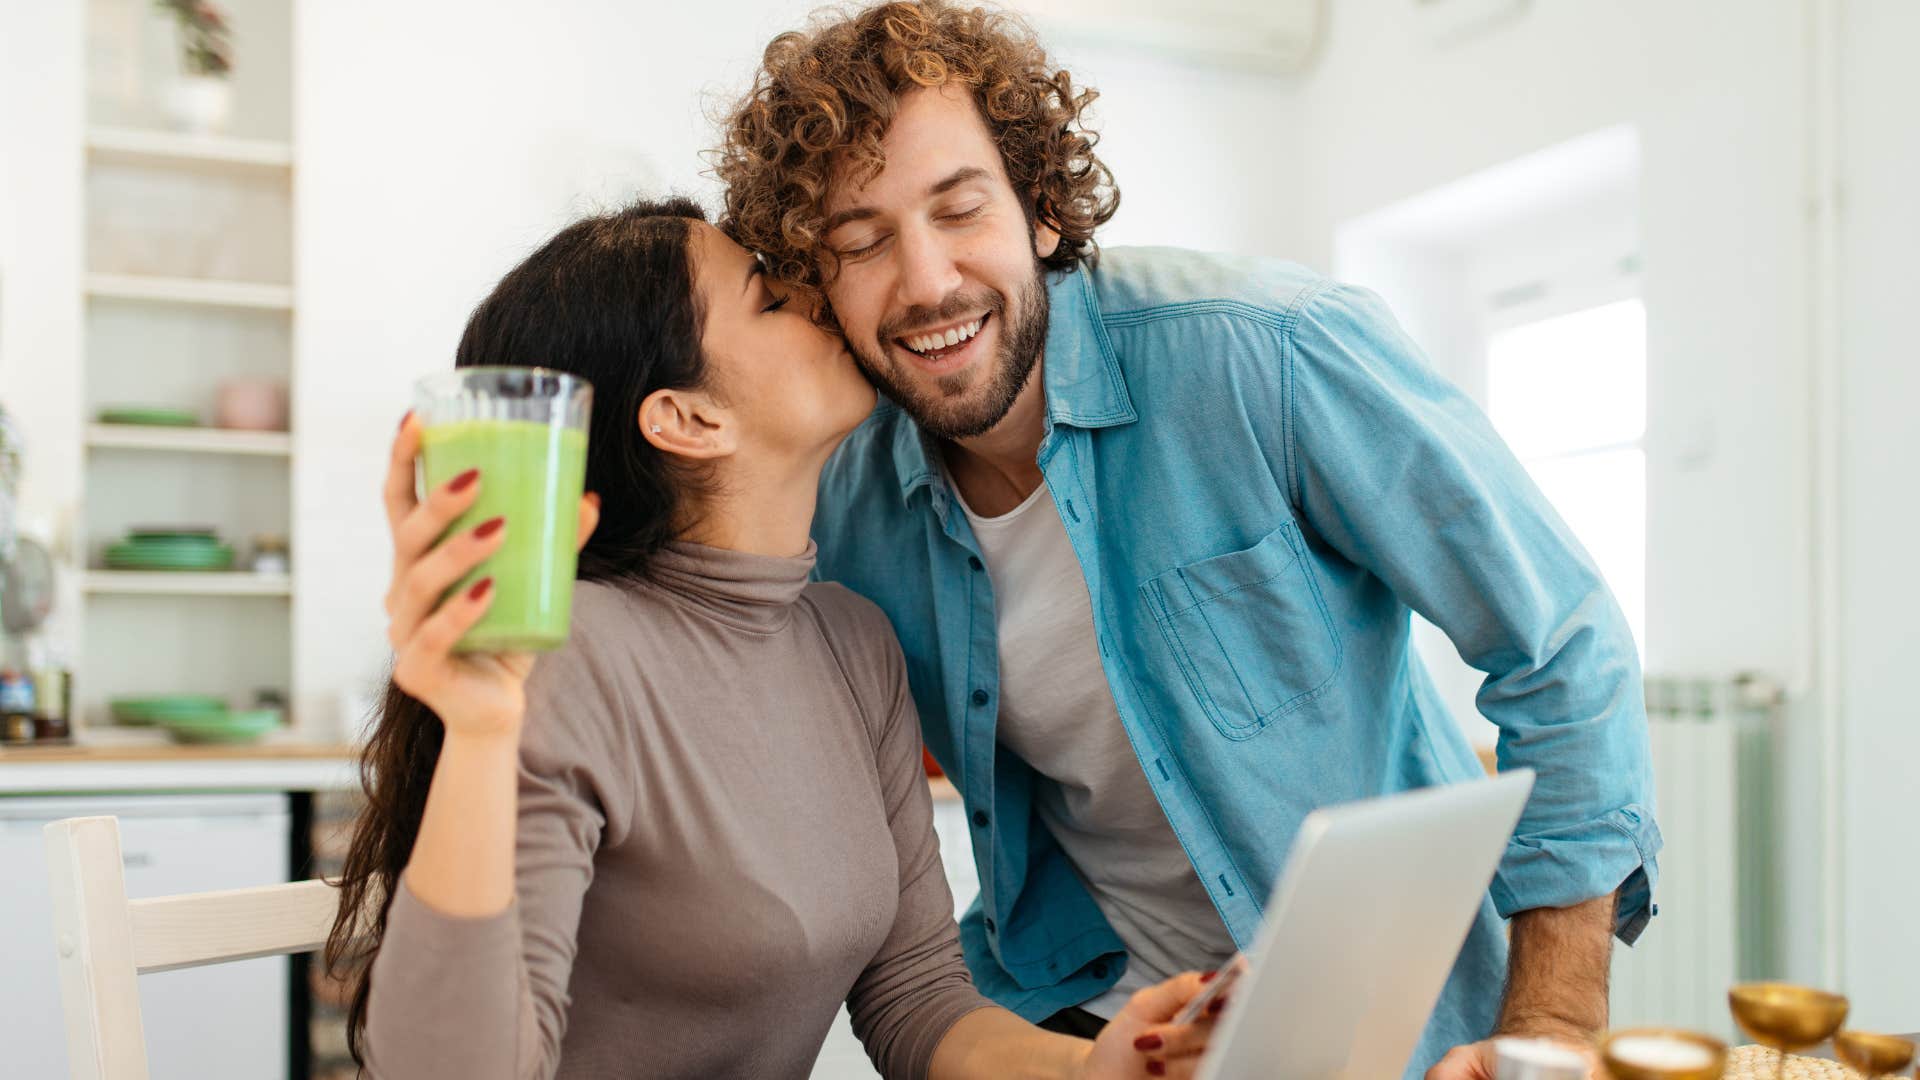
(959, 176)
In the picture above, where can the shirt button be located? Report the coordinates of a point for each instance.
(974, 562)
(979, 697)
(1099, 969)
(980, 818)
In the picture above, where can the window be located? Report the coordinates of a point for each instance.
(1569, 394)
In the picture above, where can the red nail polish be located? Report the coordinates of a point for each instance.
(463, 481)
(1209, 977)
(480, 589)
(1156, 1067)
(1147, 1042)
(1214, 1006)
(488, 528)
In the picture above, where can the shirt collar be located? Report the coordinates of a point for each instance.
(1083, 381)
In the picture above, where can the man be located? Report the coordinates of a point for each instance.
(1149, 528)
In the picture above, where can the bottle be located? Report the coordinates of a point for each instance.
(16, 707)
(52, 692)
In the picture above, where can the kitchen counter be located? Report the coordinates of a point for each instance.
(120, 766)
(143, 766)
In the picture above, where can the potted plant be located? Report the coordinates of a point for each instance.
(201, 98)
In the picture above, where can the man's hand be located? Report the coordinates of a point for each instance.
(1476, 1061)
(1556, 985)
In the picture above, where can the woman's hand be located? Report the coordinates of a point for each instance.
(472, 693)
(1142, 1040)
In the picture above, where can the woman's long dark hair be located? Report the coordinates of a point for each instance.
(610, 299)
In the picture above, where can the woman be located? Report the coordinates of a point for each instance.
(675, 846)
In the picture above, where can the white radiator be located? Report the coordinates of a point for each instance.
(1713, 783)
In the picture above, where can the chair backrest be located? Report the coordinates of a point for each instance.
(105, 941)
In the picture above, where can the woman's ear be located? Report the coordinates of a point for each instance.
(688, 423)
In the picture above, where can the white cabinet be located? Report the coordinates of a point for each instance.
(218, 1023)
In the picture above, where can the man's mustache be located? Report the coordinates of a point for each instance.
(915, 319)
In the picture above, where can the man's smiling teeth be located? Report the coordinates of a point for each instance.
(925, 343)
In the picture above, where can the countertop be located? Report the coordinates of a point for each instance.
(121, 765)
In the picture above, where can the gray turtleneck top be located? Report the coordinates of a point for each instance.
(724, 832)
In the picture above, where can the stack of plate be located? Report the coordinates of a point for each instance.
(170, 549)
(195, 718)
(150, 415)
(145, 711)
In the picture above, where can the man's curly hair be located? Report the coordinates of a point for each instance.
(823, 100)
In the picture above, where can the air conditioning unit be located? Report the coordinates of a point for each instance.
(1276, 37)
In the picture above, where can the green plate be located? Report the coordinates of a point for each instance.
(149, 557)
(240, 726)
(171, 533)
(140, 711)
(152, 415)
(188, 544)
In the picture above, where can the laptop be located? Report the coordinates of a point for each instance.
(1361, 931)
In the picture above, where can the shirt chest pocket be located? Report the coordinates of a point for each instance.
(1249, 631)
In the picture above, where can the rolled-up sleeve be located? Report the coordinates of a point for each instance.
(1404, 476)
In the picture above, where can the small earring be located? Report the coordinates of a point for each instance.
(655, 429)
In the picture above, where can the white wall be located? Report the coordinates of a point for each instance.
(41, 107)
(1713, 89)
(435, 151)
(1880, 509)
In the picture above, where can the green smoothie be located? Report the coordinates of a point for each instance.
(531, 474)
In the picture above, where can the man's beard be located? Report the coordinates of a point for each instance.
(944, 413)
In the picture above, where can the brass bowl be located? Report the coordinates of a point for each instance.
(1634, 1070)
(1873, 1054)
(1786, 1017)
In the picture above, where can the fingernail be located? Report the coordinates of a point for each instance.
(464, 480)
(404, 417)
(1147, 1042)
(488, 528)
(1209, 977)
(1214, 1006)
(1156, 1067)
(480, 588)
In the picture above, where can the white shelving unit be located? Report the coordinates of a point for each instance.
(189, 440)
(188, 255)
(185, 583)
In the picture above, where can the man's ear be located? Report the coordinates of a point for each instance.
(688, 423)
(1046, 238)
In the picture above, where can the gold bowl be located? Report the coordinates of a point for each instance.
(1873, 1054)
(1786, 1017)
(1630, 1068)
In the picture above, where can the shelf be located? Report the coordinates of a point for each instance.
(186, 583)
(189, 440)
(205, 153)
(233, 294)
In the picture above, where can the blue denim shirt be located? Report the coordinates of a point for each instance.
(1260, 476)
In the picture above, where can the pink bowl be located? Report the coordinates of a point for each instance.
(251, 405)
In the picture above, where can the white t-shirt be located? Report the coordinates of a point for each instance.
(1057, 713)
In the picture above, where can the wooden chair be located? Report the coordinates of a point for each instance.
(106, 941)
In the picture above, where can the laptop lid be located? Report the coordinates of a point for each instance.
(1362, 928)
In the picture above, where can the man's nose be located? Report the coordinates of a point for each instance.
(928, 273)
